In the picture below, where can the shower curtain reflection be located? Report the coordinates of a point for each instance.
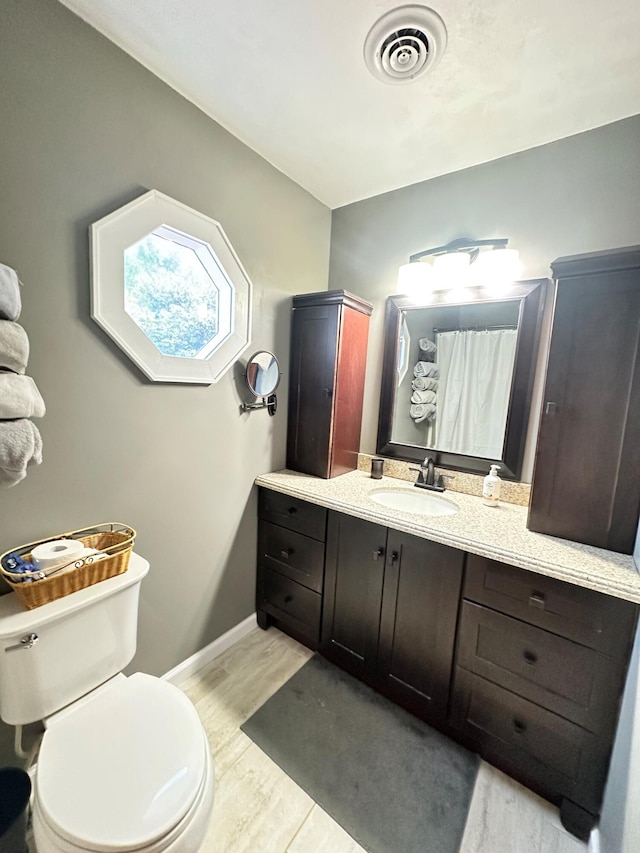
(476, 368)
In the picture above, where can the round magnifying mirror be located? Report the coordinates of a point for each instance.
(263, 373)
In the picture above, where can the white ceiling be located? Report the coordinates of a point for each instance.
(288, 78)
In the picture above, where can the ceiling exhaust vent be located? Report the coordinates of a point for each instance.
(405, 43)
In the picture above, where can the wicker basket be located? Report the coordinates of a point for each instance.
(111, 538)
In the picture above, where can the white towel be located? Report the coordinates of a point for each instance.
(422, 412)
(426, 368)
(14, 347)
(424, 397)
(428, 349)
(19, 397)
(424, 383)
(20, 446)
(10, 302)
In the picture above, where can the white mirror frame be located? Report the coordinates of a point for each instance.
(110, 237)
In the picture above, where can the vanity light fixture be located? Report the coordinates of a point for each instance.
(461, 263)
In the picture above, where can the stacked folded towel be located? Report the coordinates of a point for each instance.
(20, 441)
(20, 446)
(19, 397)
(422, 412)
(428, 349)
(426, 368)
(424, 397)
(10, 302)
(14, 347)
(424, 383)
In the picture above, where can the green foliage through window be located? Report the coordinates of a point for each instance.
(169, 294)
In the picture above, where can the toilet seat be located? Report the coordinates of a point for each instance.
(124, 769)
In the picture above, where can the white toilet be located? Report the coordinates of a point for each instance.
(124, 763)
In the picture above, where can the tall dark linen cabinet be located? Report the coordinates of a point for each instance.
(586, 483)
(329, 333)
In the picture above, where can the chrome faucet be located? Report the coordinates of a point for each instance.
(427, 476)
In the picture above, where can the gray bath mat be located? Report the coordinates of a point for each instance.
(392, 782)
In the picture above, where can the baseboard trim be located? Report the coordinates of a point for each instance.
(183, 670)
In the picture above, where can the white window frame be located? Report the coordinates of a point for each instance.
(118, 231)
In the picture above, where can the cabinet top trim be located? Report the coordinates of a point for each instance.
(596, 262)
(333, 297)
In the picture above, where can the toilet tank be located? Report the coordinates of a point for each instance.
(83, 640)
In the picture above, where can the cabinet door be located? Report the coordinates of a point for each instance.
(354, 574)
(417, 632)
(586, 486)
(314, 344)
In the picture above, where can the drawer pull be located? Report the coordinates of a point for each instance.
(536, 599)
(530, 657)
(519, 726)
(286, 553)
(394, 558)
(288, 599)
(379, 553)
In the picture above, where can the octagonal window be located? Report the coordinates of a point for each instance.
(169, 289)
(176, 291)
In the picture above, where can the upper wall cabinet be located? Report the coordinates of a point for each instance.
(329, 333)
(168, 288)
(586, 485)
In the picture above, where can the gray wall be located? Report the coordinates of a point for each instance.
(579, 194)
(84, 130)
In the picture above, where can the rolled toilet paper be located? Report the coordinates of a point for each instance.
(49, 555)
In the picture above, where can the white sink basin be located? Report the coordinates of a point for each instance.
(421, 502)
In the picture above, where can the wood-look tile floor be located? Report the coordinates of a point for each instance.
(259, 809)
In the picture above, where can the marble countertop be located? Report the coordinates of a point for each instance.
(496, 532)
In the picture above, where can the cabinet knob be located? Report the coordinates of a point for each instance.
(292, 510)
(326, 392)
(519, 726)
(394, 558)
(288, 598)
(379, 553)
(530, 657)
(286, 553)
(536, 599)
(550, 408)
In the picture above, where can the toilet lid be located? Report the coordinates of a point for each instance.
(121, 770)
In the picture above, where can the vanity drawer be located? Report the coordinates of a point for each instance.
(591, 618)
(558, 674)
(290, 602)
(292, 554)
(545, 751)
(301, 516)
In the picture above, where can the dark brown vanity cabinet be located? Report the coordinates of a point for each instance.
(329, 333)
(290, 579)
(540, 668)
(586, 483)
(390, 610)
(524, 669)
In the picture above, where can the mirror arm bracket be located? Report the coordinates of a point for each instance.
(269, 403)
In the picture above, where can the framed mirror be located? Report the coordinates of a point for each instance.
(457, 377)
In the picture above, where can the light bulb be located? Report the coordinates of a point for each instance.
(451, 270)
(497, 268)
(415, 278)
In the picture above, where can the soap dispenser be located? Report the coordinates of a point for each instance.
(491, 487)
